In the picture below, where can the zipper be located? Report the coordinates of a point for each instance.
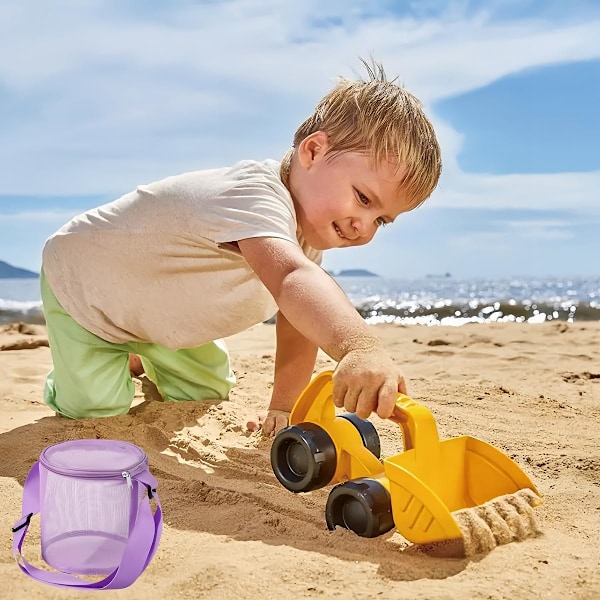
(87, 474)
(127, 476)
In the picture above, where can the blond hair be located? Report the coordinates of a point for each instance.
(381, 119)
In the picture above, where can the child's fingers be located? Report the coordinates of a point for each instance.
(367, 402)
(255, 423)
(402, 385)
(340, 389)
(276, 420)
(386, 400)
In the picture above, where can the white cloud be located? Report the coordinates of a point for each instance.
(281, 45)
(576, 192)
(99, 99)
(542, 230)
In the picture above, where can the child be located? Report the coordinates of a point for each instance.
(167, 270)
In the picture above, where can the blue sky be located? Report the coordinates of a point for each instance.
(99, 96)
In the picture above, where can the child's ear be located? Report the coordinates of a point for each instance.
(312, 148)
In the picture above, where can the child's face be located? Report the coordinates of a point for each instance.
(342, 200)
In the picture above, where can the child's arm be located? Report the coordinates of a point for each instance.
(366, 379)
(294, 364)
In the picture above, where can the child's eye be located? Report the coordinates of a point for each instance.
(363, 199)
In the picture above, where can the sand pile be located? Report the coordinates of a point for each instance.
(22, 336)
(207, 441)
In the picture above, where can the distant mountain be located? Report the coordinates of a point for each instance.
(355, 273)
(9, 272)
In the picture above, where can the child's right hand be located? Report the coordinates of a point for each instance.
(367, 381)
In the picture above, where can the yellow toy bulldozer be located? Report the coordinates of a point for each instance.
(416, 491)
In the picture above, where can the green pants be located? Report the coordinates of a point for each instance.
(91, 376)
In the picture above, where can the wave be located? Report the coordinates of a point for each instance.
(27, 312)
(443, 312)
(453, 313)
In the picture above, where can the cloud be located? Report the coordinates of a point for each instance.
(100, 96)
(283, 46)
(542, 230)
(577, 192)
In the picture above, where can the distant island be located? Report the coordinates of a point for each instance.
(9, 272)
(355, 273)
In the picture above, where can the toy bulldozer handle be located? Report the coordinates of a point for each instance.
(417, 423)
(419, 431)
(315, 403)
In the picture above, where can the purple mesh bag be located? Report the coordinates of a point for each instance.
(93, 497)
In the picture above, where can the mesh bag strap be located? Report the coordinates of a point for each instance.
(141, 545)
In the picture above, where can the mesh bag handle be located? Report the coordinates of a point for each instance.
(141, 545)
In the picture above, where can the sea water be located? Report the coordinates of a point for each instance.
(426, 301)
(450, 301)
(20, 301)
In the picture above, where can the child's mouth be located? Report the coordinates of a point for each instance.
(339, 231)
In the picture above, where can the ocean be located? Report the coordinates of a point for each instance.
(427, 301)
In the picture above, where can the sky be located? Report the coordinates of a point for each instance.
(99, 96)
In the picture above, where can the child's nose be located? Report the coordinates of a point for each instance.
(362, 227)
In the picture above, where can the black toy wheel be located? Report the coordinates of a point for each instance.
(362, 505)
(368, 433)
(303, 457)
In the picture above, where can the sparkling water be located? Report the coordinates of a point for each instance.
(450, 301)
(427, 301)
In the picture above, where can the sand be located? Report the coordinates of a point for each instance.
(231, 531)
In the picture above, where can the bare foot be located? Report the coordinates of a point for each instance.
(135, 365)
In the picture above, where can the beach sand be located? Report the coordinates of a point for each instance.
(231, 531)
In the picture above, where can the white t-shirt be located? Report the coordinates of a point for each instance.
(155, 266)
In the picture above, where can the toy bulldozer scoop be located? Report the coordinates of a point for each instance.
(419, 491)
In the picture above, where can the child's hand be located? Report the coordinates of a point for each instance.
(367, 381)
(275, 421)
(271, 423)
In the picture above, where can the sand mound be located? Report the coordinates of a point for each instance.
(22, 336)
(207, 441)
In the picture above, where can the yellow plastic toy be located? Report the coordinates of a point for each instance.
(416, 491)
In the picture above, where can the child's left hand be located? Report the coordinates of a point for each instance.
(271, 423)
(276, 420)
